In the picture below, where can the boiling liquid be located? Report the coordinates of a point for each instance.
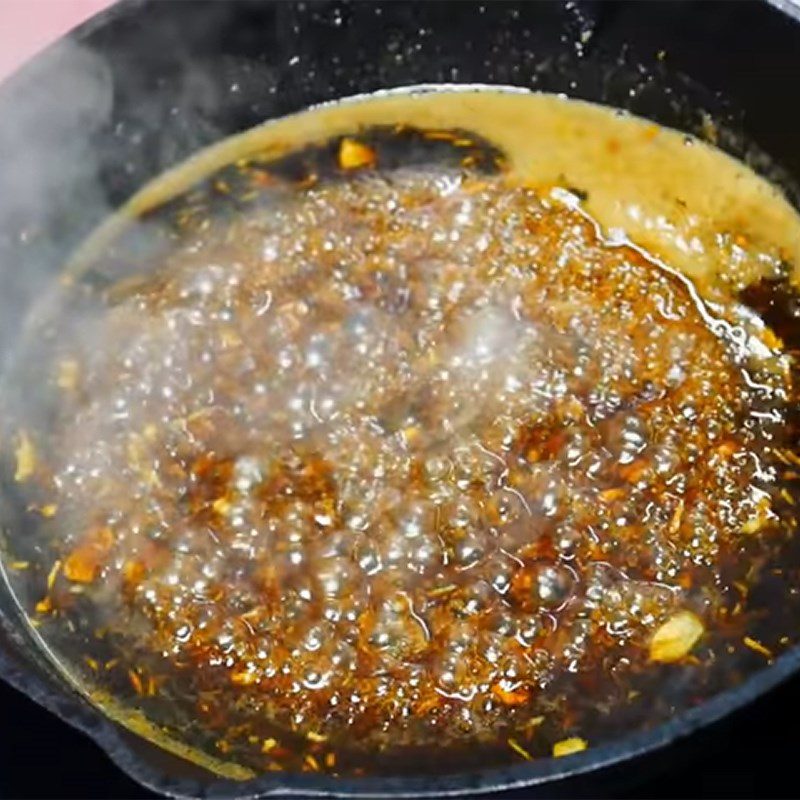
(393, 446)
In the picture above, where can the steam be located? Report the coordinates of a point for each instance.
(55, 186)
(48, 198)
(59, 102)
(73, 147)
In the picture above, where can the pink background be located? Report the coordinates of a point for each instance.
(27, 26)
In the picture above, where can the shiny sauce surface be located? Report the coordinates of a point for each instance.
(435, 424)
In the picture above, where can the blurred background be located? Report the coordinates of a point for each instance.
(27, 26)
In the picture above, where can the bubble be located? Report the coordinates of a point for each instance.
(431, 461)
(437, 468)
(567, 541)
(470, 549)
(542, 584)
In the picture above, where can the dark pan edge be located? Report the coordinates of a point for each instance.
(110, 737)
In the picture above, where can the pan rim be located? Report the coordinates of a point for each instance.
(71, 708)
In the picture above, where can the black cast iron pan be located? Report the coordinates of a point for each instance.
(176, 76)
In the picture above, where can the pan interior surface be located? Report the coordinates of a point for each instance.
(730, 254)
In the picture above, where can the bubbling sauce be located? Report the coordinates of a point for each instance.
(409, 455)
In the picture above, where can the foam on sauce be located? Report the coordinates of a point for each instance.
(378, 467)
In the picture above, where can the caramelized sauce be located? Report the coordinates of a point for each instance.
(391, 451)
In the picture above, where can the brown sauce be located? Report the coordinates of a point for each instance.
(393, 452)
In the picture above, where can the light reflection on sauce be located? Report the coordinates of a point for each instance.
(406, 462)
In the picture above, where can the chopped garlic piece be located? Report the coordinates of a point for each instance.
(67, 377)
(354, 155)
(26, 458)
(757, 647)
(519, 749)
(676, 637)
(566, 747)
(760, 518)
